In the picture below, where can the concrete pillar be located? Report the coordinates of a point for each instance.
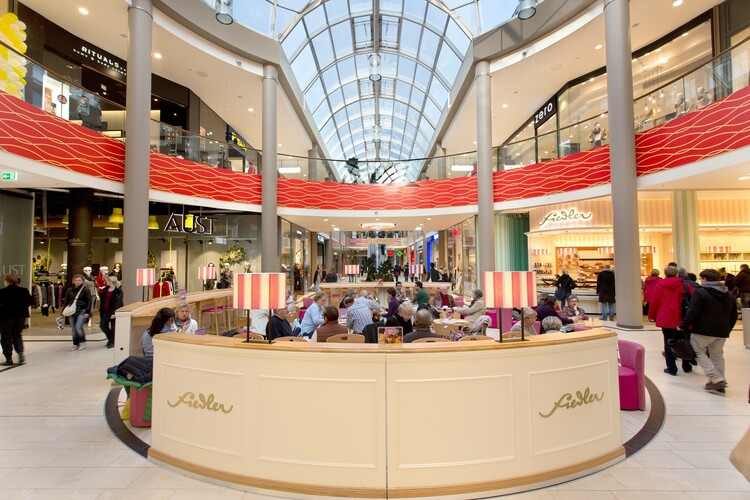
(312, 163)
(269, 242)
(328, 261)
(442, 171)
(486, 219)
(137, 147)
(685, 230)
(443, 249)
(622, 163)
(80, 232)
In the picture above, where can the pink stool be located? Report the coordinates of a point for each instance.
(632, 376)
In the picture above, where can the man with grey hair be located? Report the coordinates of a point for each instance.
(371, 303)
(422, 327)
(687, 277)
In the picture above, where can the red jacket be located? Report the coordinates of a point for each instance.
(666, 302)
(648, 287)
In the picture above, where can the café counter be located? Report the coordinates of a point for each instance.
(387, 421)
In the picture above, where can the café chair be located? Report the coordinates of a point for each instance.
(216, 309)
(347, 338)
(472, 338)
(631, 375)
(290, 339)
(252, 336)
(426, 340)
(442, 330)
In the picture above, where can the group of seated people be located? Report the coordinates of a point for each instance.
(550, 317)
(168, 320)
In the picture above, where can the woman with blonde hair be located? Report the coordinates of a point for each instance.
(183, 323)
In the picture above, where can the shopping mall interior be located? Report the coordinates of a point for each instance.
(187, 142)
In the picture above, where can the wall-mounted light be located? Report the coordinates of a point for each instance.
(224, 12)
(374, 59)
(526, 9)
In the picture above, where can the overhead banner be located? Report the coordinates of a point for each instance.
(363, 242)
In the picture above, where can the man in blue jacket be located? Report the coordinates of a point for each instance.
(711, 315)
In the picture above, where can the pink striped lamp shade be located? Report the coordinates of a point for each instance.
(207, 273)
(416, 269)
(509, 289)
(259, 291)
(145, 277)
(351, 269)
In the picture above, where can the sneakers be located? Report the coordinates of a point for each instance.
(82, 346)
(74, 348)
(716, 386)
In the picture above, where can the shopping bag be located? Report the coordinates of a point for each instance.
(60, 324)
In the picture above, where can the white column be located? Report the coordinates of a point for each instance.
(685, 230)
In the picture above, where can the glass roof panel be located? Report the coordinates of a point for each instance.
(304, 67)
(342, 34)
(323, 49)
(258, 18)
(436, 18)
(337, 10)
(415, 9)
(448, 63)
(315, 20)
(428, 47)
(394, 6)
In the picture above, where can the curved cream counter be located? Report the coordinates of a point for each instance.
(372, 421)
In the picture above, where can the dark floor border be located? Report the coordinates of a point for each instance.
(653, 424)
(118, 428)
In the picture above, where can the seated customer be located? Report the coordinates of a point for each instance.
(422, 327)
(547, 308)
(349, 293)
(331, 327)
(422, 297)
(529, 317)
(183, 323)
(400, 295)
(358, 314)
(162, 323)
(393, 303)
(279, 326)
(551, 324)
(443, 298)
(475, 309)
(573, 310)
(313, 317)
(402, 318)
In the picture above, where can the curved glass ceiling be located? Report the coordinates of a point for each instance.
(422, 44)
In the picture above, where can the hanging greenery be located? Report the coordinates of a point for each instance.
(151, 260)
(234, 255)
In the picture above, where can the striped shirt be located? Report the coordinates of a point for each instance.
(358, 316)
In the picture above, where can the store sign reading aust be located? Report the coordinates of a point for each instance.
(564, 215)
(201, 402)
(190, 224)
(568, 402)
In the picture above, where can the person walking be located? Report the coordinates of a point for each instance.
(711, 315)
(605, 289)
(742, 283)
(14, 309)
(564, 287)
(648, 289)
(78, 295)
(666, 310)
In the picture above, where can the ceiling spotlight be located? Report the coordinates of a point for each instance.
(676, 3)
(526, 9)
(83, 10)
(224, 12)
(157, 55)
(598, 46)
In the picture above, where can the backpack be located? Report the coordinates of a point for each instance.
(135, 368)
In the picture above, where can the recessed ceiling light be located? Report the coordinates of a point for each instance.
(744, 178)
(685, 34)
(83, 10)
(325, 220)
(157, 55)
(156, 99)
(676, 3)
(429, 218)
(250, 109)
(505, 105)
(598, 46)
(475, 142)
(591, 79)
(281, 145)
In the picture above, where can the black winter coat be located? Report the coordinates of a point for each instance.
(82, 304)
(14, 302)
(605, 286)
(712, 311)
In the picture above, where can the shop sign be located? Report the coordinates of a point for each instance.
(563, 216)
(545, 112)
(188, 223)
(10, 176)
(569, 402)
(200, 402)
(237, 139)
(106, 61)
(13, 269)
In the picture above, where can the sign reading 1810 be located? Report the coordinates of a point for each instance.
(545, 112)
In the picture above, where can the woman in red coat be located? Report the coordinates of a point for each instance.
(648, 289)
(666, 310)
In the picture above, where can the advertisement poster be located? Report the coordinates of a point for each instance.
(55, 97)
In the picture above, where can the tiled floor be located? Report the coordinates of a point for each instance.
(55, 442)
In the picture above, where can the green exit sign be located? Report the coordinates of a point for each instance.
(10, 176)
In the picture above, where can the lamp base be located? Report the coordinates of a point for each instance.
(255, 341)
(514, 339)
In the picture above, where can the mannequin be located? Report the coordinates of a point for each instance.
(597, 136)
(101, 279)
(117, 271)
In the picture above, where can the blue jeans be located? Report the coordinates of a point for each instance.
(76, 323)
(608, 310)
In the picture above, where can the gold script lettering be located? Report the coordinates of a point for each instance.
(200, 403)
(564, 215)
(568, 402)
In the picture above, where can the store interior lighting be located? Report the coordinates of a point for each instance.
(526, 9)
(224, 12)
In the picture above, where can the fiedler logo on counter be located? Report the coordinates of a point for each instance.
(568, 402)
(200, 402)
(564, 215)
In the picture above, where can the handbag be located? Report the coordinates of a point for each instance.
(681, 348)
(560, 293)
(70, 309)
(740, 456)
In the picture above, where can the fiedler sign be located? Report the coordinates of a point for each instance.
(563, 216)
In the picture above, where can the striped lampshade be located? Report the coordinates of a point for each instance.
(145, 277)
(207, 273)
(509, 289)
(416, 269)
(351, 269)
(606, 250)
(259, 291)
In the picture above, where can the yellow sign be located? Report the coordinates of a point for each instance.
(568, 402)
(201, 402)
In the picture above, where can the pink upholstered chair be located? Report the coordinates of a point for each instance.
(632, 375)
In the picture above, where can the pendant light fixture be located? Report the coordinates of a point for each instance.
(374, 59)
(66, 217)
(152, 222)
(116, 217)
(224, 12)
(526, 9)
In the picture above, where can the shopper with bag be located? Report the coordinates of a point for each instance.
(666, 310)
(77, 308)
(711, 315)
(14, 309)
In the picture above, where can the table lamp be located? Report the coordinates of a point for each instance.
(351, 270)
(258, 291)
(206, 273)
(416, 270)
(509, 289)
(145, 278)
